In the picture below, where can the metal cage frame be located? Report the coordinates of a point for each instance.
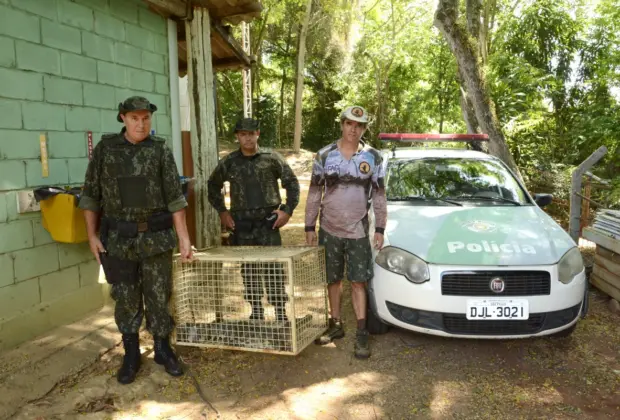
(303, 268)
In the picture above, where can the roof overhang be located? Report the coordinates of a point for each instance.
(226, 52)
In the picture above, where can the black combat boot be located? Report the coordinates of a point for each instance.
(258, 313)
(131, 361)
(281, 313)
(165, 356)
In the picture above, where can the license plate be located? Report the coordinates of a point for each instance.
(481, 309)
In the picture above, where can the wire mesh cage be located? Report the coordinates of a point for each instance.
(263, 299)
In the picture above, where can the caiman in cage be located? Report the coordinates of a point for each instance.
(264, 299)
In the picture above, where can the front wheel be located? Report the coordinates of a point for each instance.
(374, 325)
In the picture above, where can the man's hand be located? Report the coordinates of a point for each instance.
(96, 247)
(378, 242)
(311, 238)
(180, 226)
(185, 249)
(227, 220)
(283, 218)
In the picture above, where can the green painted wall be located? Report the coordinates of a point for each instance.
(64, 67)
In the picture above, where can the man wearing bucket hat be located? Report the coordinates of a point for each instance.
(133, 183)
(256, 211)
(346, 175)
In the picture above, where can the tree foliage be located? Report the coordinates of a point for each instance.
(552, 69)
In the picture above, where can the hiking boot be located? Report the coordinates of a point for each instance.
(335, 330)
(281, 314)
(362, 349)
(131, 361)
(258, 313)
(164, 355)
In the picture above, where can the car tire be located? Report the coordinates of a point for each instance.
(565, 333)
(374, 325)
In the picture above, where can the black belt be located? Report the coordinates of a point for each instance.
(155, 222)
(142, 226)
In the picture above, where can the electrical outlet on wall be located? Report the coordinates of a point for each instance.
(26, 203)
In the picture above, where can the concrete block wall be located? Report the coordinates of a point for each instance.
(64, 67)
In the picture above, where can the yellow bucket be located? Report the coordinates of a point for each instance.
(63, 219)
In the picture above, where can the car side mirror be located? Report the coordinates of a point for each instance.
(543, 200)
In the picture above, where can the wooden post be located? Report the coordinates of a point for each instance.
(575, 200)
(188, 170)
(203, 132)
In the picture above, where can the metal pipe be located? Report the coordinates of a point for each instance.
(175, 106)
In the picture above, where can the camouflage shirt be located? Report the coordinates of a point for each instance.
(253, 184)
(130, 182)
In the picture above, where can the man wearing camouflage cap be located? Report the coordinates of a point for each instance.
(256, 211)
(346, 175)
(132, 182)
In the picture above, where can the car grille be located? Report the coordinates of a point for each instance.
(517, 283)
(459, 324)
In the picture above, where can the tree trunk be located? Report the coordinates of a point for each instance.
(473, 79)
(282, 86)
(469, 115)
(299, 89)
(203, 137)
(473, 11)
(488, 21)
(351, 27)
(281, 123)
(440, 118)
(378, 84)
(471, 122)
(473, 8)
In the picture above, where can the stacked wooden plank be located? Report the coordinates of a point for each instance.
(605, 233)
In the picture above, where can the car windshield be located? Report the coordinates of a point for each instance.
(477, 182)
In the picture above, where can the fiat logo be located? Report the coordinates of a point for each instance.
(497, 285)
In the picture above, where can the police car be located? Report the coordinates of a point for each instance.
(469, 252)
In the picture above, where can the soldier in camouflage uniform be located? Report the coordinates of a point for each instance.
(133, 196)
(256, 212)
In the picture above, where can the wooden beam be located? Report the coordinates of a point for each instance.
(188, 170)
(608, 265)
(601, 239)
(589, 200)
(174, 7)
(605, 286)
(608, 255)
(231, 42)
(235, 12)
(203, 133)
(227, 64)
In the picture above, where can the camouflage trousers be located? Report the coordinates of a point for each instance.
(150, 294)
(254, 274)
(357, 253)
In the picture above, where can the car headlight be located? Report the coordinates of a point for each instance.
(570, 265)
(402, 262)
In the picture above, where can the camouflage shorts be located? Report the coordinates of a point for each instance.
(356, 252)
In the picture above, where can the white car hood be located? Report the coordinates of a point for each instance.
(493, 235)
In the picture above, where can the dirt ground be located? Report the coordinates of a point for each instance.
(408, 376)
